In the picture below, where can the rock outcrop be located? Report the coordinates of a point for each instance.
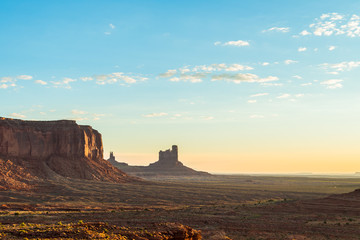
(167, 165)
(35, 150)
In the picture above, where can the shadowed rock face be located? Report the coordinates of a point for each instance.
(168, 165)
(37, 150)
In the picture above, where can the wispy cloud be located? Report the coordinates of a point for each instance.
(199, 73)
(221, 67)
(116, 77)
(78, 112)
(289, 61)
(24, 77)
(238, 43)
(329, 24)
(17, 115)
(41, 82)
(297, 77)
(340, 67)
(332, 83)
(278, 29)
(332, 48)
(259, 95)
(251, 101)
(85, 79)
(168, 73)
(302, 49)
(193, 78)
(151, 115)
(64, 83)
(243, 77)
(112, 26)
(285, 95)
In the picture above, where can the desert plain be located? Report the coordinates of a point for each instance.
(220, 206)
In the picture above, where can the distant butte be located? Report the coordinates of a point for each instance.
(51, 150)
(167, 165)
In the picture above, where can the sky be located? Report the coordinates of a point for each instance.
(240, 86)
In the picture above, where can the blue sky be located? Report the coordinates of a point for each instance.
(240, 86)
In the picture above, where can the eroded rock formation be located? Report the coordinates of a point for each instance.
(51, 149)
(168, 164)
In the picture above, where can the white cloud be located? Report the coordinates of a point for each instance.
(302, 49)
(331, 48)
(278, 29)
(336, 24)
(151, 115)
(332, 83)
(41, 82)
(17, 115)
(221, 67)
(251, 101)
(289, 61)
(24, 77)
(238, 43)
(265, 63)
(305, 33)
(285, 95)
(85, 79)
(340, 67)
(112, 26)
(259, 94)
(256, 116)
(193, 78)
(299, 95)
(64, 83)
(117, 77)
(306, 84)
(297, 77)
(3, 86)
(243, 77)
(198, 73)
(107, 33)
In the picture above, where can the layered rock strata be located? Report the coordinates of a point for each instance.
(51, 149)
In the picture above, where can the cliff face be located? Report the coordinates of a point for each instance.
(37, 150)
(36, 139)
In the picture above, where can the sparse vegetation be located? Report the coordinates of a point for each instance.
(222, 206)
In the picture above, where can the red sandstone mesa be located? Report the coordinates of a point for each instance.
(33, 150)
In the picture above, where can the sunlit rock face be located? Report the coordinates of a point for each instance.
(43, 139)
(40, 150)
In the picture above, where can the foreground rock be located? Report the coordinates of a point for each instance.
(37, 150)
(99, 230)
(168, 165)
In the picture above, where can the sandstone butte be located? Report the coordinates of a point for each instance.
(167, 165)
(52, 150)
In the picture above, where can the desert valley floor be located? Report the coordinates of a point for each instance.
(221, 207)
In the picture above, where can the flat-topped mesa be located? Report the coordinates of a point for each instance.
(39, 150)
(43, 139)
